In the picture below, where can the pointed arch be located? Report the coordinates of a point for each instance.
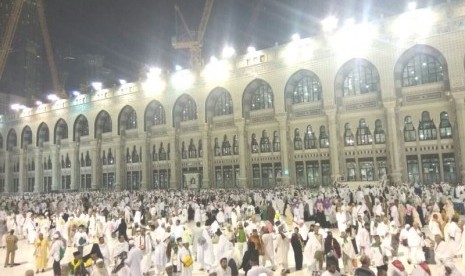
(26, 137)
(127, 119)
(302, 87)
(154, 115)
(81, 128)
(219, 103)
(356, 77)
(421, 64)
(12, 139)
(257, 95)
(60, 132)
(43, 134)
(185, 109)
(103, 124)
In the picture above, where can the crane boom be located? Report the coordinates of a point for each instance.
(48, 51)
(195, 39)
(10, 30)
(204, 20)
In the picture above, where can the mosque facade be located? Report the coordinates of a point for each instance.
(363, 103)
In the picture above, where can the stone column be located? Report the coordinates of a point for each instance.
(75, 167)
(8, 175)
(39, 171)
(459, 128)
(145, 162)
(393, 141)
(333, 142)
(22, 170)
(243, 153)
(56, 167)
(206, 174)
(120, 161)
(175, 159)
(282, 120)
(96, 182)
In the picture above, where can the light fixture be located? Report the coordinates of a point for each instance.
(412, 6)
(251, 49)
(122, 82)
(178, 67)
(15, 106)
(213, 59)
(295, 37)
(329, 24)
(76, 93)
(53, 97)
(38, 103)
(182, 80)
(97, 85)
(228, 52)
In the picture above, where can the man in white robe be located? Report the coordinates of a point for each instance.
(205, 251)
(282, 249)
(415, 244)
(363, 240)
(134, 260)
(268, 246)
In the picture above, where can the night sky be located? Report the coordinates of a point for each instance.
(131, 34)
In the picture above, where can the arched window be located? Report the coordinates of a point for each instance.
(61, 131)
(363, 133)
(111, 159)
(223, 104)
(154, 153)
(297, 140)
(309, 138)
(324, 138)
(183, 151)
(445, 128)
(361, 79)
(226, 147)
(11, 140)
(235, 145)
(135, 155)
(81, 127)
(192, 149)
(262, 98)
(426, 127)
(189, 112)
(216, 148)
(43, 134)
(154, 115)
(200, 148)
(380, 136)
(308, 89)
(131, 123)
(265, 142)
(276, 142)
(104, 158)
(348, 135)
(26, 137)
(421, 69)
(103, 124)
(254, 143)
(162, 155)
(68, 161)
(410, 133)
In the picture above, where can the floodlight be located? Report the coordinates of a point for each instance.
(228, 52)
(295, 37)
(251, 49)
(412, 6)
(329, 24)
(97, 85)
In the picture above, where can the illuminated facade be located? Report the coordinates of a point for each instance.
(306, 113)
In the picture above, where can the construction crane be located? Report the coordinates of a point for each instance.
(10, 30)
(193, 41)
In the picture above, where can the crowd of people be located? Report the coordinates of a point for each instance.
(329, 231)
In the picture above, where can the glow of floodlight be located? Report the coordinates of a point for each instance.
(122, 82)
(412, 6)
(15, 107)
(251, 49)
(182, 80)
(295, 37)
(354, 39)
(213, 59)
(76, 93)
(178, 67)
(216, 71)
(349, 22)
(154, 82)
(329, 24)
(97, 85)
(416, 24)
(53, 97)
(39, 103)
(228, 52)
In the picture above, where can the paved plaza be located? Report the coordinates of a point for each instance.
(25, 260)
